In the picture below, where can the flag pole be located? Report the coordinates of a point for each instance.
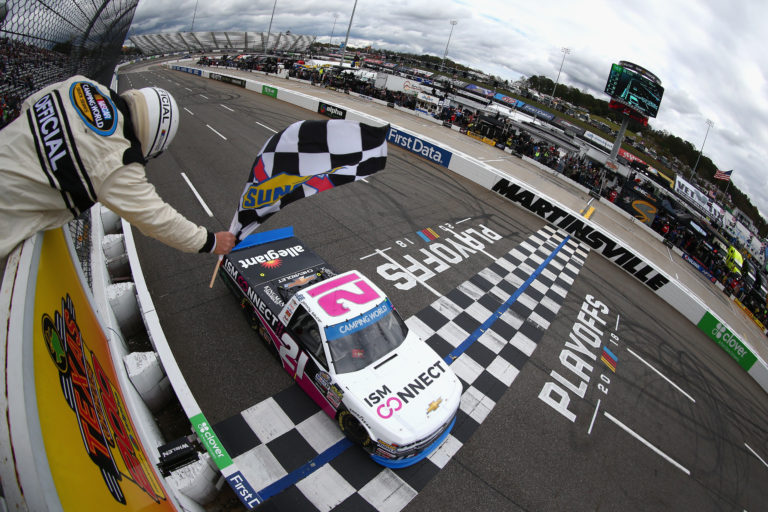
(215, 271)
(728, 184)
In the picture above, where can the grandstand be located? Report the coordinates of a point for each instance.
(245, 42)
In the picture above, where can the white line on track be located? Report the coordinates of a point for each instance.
(199, 198)
(417, 279)
(617, 323)
(204, 96)
(267, 127)
(226, 107)
(756, 455)
(597, 408)
(190, 112)
(214, 131)
(646, 443)
(670, 255)
(646, 363)
(375, 253)
(187, 88)
(463, 220)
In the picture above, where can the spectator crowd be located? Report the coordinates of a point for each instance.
(24, 69)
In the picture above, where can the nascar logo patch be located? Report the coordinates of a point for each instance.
(97, 110)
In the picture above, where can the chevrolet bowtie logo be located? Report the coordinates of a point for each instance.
(300, 281)
(434, 405)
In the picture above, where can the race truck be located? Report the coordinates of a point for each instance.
(346, 346)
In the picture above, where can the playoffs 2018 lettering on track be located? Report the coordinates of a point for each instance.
(453, 248)
(578, 359)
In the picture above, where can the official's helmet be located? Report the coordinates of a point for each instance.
(155, 118)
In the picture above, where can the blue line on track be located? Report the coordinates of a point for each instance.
(305, 470)
(455, 353)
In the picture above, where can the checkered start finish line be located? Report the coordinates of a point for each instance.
(486, 328)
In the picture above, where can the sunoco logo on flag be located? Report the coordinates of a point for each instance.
(306, 158)
(264, 193)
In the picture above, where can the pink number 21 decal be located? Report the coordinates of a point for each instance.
(331, 297)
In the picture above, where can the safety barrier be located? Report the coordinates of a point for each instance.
(79, 395)
(78, 400)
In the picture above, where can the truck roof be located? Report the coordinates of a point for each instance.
(278, 269)
(342, 297)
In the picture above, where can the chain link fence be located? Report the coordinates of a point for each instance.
(80, 229)
(46, 41)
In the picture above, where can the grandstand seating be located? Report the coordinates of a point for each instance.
(245, 42)
(24, 69)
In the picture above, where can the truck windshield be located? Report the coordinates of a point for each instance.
(365, 338)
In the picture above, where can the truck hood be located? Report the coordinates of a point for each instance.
(405, 396)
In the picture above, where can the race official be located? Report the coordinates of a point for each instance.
(77, 143)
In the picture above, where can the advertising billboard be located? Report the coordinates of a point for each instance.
(479, 90)
(506, 99)
(95, 456)
(535, 112)
(419, 146)
(698, 199)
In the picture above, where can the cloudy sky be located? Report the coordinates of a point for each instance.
(711, 59)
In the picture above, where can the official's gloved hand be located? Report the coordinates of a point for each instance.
(225, 241)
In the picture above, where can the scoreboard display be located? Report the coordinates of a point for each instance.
(634, 90)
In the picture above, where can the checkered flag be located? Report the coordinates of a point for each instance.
(306, 158)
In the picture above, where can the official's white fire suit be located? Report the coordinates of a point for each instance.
(74, 145)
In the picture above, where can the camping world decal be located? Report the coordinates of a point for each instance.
(95, 109)
(91, 446)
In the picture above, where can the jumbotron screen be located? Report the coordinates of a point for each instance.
(634, 90)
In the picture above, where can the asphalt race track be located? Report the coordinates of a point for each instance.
(612, 402)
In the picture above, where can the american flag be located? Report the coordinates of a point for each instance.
(720, 175)
(304, 159)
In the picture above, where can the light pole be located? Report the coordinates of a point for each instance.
(453, 24)
(346, 39)
(335, 17)
(269, 30)
(193, 18)
(710, 124)
(565, 51)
